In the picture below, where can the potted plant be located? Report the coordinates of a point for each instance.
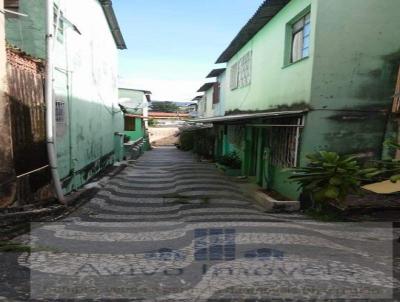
(230, 164)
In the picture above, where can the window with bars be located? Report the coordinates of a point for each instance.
(130, 123)
(241, 72)
(245, 66)
(283, 143)
(60, 112)
(300, 45)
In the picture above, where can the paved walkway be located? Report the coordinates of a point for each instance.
(169, 228)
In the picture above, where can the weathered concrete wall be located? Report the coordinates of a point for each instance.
(7, 188)
(357, 54)
(272, 83)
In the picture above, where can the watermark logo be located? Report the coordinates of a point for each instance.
(264, 254)
(214, 244)
(166, 254)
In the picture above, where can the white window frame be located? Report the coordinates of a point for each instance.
(300, 34)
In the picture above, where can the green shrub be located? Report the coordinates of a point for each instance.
(231, 160)
(331, 177)
(186, 140)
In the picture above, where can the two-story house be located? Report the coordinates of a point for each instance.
(211, 103)
(308, 75)
(86, 116)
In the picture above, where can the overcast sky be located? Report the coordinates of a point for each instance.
(173, 44)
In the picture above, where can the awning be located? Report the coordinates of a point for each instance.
(216, 72)
(206, 86)
(248, 116)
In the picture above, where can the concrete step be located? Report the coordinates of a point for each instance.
(266, 202)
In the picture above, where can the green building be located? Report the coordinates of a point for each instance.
(87, 116)
(135, 106)
(303, 76)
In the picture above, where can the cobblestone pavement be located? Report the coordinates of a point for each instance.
(169, 228)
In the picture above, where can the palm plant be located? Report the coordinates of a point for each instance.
(331, 177)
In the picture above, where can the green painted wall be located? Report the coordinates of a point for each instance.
(139, 130)
(136, 103)
(353, 77)
(28, 33)
(85, 80)
(273, 84)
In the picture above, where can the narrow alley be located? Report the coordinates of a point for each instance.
(170, 228)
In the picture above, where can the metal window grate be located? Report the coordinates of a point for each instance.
(284, 142)
(60, 112)
(245, 69)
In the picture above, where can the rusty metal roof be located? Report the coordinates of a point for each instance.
(267, 10)
(113, 23)
(216, 72)
(206, 86)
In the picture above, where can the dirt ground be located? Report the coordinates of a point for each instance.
(163, 136)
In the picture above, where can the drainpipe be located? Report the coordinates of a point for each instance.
(50, 112)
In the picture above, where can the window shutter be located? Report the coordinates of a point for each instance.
(216, 93)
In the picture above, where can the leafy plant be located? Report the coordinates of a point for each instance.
(331, 177)
(391, 168)
(231, 160)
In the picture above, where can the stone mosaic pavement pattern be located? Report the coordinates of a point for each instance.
(169, 228)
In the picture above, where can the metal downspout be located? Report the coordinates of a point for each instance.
(50, 110)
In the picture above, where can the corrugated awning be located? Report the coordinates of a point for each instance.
(206, 86)
(248, 116)
(264, 14)
(216, 72)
